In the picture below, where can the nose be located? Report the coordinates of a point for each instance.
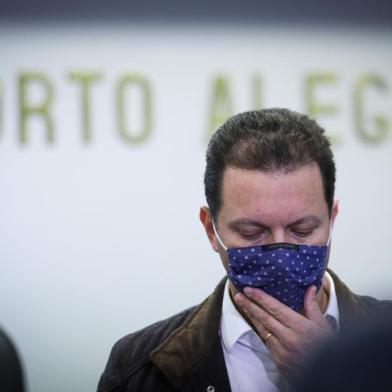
(278, 235)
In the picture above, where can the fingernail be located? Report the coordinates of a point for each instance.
(248, 291)
(314, 288)
(238, 297)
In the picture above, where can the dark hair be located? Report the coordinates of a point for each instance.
(268, 140)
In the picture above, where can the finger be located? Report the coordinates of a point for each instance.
(281, 357)
(263, 321)
(274, 345)
(275, 308)
(312, 308)
(267, 331)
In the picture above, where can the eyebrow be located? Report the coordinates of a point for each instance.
(244, 221)
(312, 219)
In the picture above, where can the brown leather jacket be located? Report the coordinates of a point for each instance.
(184, 352)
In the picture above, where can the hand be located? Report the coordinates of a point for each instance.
(292, 336)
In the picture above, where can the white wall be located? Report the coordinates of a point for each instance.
(103, 238)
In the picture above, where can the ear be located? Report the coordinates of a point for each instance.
(335, 210)
(206, 220)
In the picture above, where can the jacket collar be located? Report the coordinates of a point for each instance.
(351, 307)
(178, 355)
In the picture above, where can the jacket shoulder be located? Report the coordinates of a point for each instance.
(132, 352)
(357, 309)
(375, 306)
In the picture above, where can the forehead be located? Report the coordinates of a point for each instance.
(273, 197)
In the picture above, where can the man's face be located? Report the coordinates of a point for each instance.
(264, 208)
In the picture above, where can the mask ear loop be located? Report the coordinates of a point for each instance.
(330, 233)
(217, 236)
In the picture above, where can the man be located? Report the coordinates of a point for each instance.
(269, 184)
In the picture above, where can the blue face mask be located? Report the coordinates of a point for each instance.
(282, 270)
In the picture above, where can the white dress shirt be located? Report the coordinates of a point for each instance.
(248, 361)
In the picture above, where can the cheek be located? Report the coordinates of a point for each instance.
(223, 257)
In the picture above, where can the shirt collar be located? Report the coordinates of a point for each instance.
(233, 326)
(332, 307)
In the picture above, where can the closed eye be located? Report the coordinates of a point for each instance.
(251, 235)
(302, 232)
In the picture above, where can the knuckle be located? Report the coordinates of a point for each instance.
(293, 344)
(310, 332)
(266, 319)
(251, 314)
(274, 310)
(254, 314)
(285, 359)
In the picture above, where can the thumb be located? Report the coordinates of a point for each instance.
(311, 306)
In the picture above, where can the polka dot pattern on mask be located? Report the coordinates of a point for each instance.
(283, 271)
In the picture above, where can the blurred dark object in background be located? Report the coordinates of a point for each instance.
(11, 376)
(360, 361)
(372, 13)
